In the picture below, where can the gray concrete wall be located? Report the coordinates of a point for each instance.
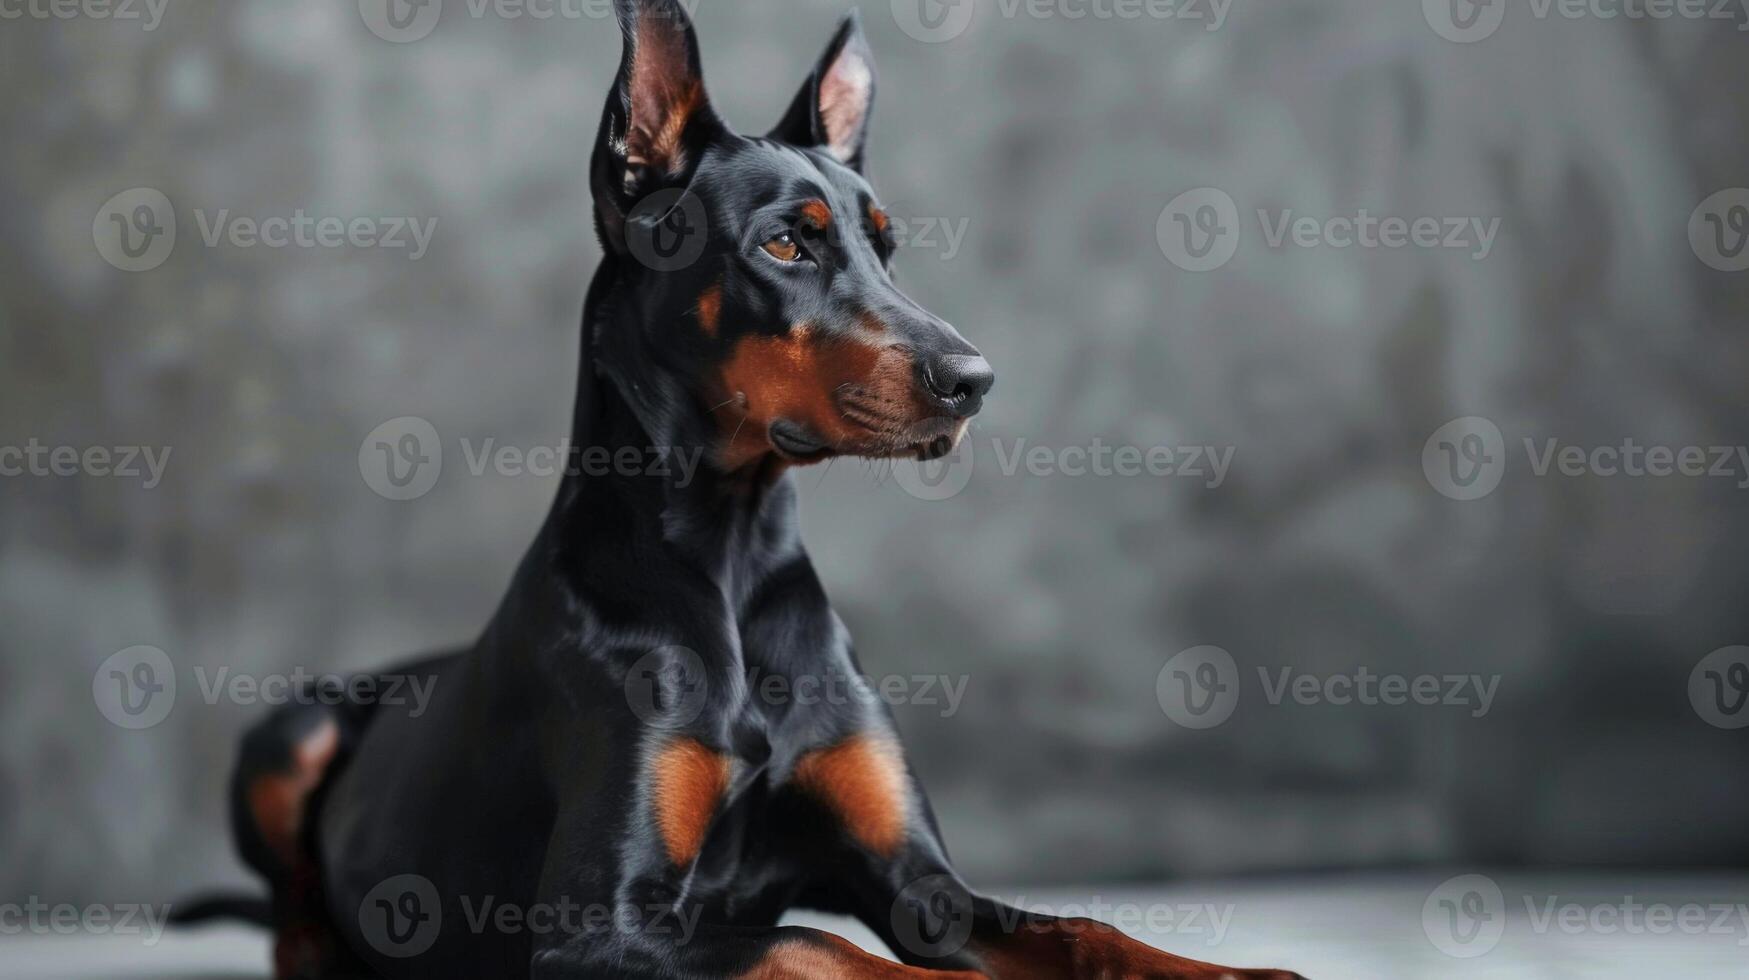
(1048, 146)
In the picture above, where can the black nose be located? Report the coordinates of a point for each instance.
(959, 382)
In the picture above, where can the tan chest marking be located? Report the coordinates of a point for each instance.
(688, 781)
(862, 780)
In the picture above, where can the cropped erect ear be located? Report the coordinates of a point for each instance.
(833, 108)
(658, 119)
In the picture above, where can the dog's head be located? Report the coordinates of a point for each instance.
(757, 270)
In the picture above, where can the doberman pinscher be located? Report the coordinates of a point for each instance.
(604, 785)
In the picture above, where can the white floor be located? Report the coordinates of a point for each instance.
(1395, 927)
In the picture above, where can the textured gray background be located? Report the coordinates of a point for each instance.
(1057, 143)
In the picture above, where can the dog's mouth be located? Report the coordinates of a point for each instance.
(928, 439)
(797, 442)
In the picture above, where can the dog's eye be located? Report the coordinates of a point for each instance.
(783, 248)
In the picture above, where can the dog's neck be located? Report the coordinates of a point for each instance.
(669, 491)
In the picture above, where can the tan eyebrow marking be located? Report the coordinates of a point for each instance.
(710, 309)
(880, 218)
(818, 213)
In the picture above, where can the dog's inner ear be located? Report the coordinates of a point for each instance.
(658, 119)
(832, 110)
(664, 90)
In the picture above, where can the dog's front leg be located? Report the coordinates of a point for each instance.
(715, 952)
(896, 878)
(649, 930)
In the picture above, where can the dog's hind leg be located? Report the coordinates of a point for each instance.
(281, 767)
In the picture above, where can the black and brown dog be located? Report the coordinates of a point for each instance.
(595, 789)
